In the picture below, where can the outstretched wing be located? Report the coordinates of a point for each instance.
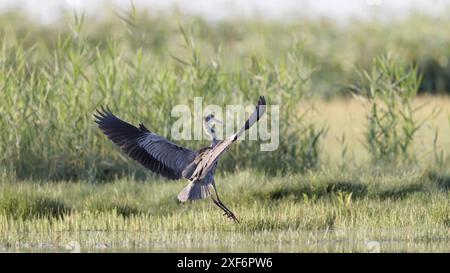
(152, 151)
(208, 158)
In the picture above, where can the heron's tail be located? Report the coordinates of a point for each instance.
(194, 191)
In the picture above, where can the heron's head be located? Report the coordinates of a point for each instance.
(210, 120)
(208, 125)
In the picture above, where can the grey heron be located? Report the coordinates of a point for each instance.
(172, 161)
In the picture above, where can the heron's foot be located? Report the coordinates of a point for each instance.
(230, 215)
(227, 212)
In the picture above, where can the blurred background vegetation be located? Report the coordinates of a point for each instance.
(53, 76)
(334, 48)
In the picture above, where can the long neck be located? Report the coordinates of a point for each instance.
(212, 133)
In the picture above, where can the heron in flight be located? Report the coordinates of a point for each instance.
(172, 161)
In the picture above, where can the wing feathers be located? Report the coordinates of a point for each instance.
(152, 151)
(256, 115)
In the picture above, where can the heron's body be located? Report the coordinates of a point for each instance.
(172, 161)
(198, 189)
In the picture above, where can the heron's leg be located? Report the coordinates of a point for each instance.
(217, 201)
(221, 205)
(228, 212)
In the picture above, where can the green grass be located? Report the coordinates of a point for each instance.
(405, 210)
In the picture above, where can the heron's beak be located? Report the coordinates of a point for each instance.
(217, 121)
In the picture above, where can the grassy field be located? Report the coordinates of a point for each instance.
(405, 210)
(363, 159)
(342, 206)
